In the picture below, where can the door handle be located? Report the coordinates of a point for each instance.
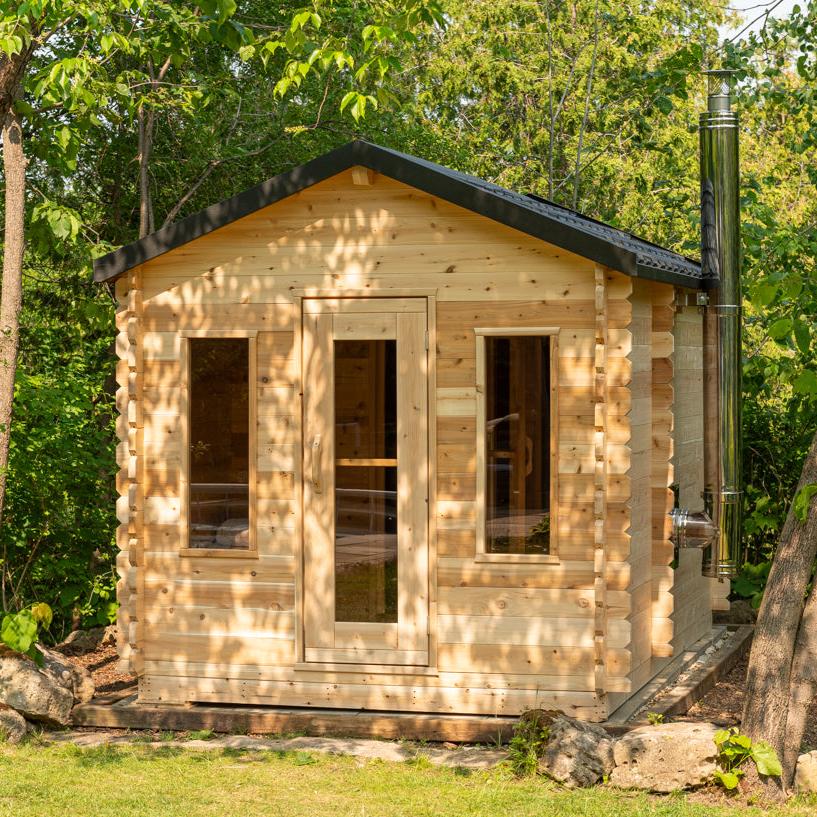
(316, 464)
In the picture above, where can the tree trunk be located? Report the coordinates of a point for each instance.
(803, 684)
(770, 677)
(583, 127)
(12, 70)
(11, 300)
(145, 146)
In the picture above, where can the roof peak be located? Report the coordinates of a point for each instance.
(543, 219)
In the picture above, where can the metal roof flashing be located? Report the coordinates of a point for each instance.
(528, 213)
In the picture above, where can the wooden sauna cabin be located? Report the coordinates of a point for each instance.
(394, 438)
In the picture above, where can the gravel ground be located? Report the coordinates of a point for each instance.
(102, 664)
(724, 704)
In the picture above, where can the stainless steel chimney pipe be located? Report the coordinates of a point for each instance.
(720, 259)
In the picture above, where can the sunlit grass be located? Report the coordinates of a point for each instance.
(168, 781)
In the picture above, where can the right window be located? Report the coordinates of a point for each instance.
(515, 456)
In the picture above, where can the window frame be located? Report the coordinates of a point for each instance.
(250, 552)
(482, 554)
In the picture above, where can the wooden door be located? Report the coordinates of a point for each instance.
(365, 368)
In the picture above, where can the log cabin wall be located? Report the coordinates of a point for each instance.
(664, 387)
(129, 482)
(694, 596)
(504, 636)
(641, 445)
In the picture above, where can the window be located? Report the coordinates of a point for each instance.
(366, 480)
(219, 461)
(515, 429)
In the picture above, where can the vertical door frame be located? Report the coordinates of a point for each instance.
(430, 295)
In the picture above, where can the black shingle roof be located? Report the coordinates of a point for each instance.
(538, 217)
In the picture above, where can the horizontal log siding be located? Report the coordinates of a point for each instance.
(691, 613)
(508, 636)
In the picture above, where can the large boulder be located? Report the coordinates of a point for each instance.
(805, 777)
(33, 692)
(577, 754)
(77, 680)
(665, 757)
(13, 726)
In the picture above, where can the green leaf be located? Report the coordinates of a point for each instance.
(42, 614)
(664, 104)
(729, 780)
(744, 587)
(802, 500)
(350, 97)
(764, 295)
(780, 328)
(19, 631)
(743, 741)
(765, 757)
(802, 336)
(226, 9)
(300, 20)
(805, 382)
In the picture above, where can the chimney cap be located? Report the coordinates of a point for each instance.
(721, 81)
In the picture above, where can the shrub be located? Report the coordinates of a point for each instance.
(734, 749)
(528, 743)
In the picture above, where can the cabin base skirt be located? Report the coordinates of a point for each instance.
(427, 698)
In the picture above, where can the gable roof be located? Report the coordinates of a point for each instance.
(530, 214)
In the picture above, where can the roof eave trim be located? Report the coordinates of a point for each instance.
(673, 277)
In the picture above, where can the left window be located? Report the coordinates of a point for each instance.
(219, 461)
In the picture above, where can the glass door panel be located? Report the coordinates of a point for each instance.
(366, 482)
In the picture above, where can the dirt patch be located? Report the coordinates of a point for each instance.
(102, 664)
(723, 704)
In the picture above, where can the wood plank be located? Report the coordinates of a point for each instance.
(492, 658)
(246, 648)
(365, 635)
(400, 698)
(190, 592)
(397, 657)
(553, 603)
(218, 622)
(227, 316)
(413, 487)
(528, 630)
(318, 499)
(456, 430)
(318, 722)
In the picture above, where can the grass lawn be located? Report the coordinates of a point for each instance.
(166, 782)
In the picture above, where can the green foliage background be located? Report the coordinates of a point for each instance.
(511, 90)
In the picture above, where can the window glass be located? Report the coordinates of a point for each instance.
(517, 444)
(366, 480)
(219, 443)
